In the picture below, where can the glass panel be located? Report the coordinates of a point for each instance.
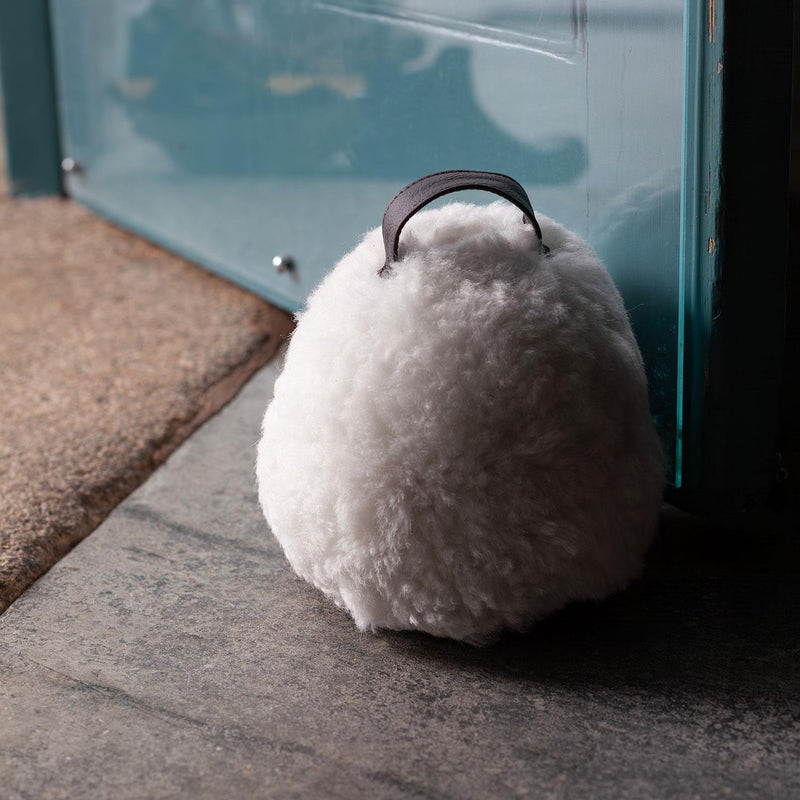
(237, 130)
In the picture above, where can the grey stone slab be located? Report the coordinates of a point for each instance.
(174, 654)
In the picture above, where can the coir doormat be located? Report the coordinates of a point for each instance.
(111, 352)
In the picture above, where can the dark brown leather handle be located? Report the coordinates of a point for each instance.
(425, 190)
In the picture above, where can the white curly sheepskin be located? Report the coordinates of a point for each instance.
(464, 446)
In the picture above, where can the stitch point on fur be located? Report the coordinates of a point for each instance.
(466, 446)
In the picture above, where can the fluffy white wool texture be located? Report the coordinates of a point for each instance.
(466, 445)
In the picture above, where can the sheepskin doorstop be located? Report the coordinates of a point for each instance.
(460, 440)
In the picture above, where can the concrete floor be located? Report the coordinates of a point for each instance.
(174, 654)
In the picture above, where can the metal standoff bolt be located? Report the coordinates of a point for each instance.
(70, 165)
(283, 263)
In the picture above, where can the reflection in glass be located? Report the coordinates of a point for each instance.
(234, 130)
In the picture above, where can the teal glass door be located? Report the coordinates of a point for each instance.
(234, 131)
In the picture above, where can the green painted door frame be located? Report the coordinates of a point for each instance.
(736, 298)
(29, 99)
